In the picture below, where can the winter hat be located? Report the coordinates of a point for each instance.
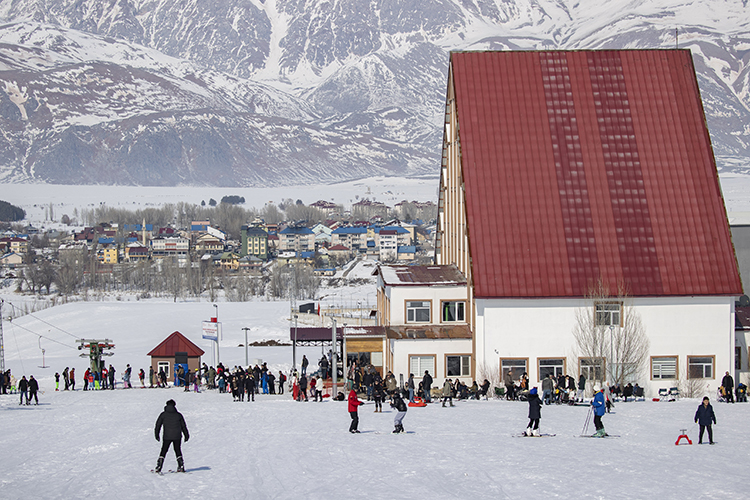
(533, 390)
(171, 403)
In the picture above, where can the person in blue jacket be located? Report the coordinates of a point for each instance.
(704, 416)
(600, 408)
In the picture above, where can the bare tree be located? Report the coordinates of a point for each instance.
(69, 273)
(610, 335)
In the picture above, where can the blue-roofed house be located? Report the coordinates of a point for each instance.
(408, 252)
(298, 239)
(351, 237)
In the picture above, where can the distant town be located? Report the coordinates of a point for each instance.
(183, 250)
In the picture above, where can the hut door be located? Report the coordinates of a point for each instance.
(180, 360)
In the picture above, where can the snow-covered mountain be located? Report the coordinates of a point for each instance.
(259, 92)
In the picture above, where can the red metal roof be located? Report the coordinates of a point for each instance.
(176, 342)
(581, 165)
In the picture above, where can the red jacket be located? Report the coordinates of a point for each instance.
(353, 401)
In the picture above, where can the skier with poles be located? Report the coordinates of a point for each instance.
(600, 408)
(174, 428)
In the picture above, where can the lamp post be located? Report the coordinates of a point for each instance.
(294, 345)
(216, 312)
(359, 305)
(611, 361)
(246, 358)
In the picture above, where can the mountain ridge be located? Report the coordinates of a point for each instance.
(252, 92)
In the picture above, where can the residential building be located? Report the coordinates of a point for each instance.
(254, 241)
(296, 238)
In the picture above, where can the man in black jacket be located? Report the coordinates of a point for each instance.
(427, 386)
(174, 428)
(33, 389)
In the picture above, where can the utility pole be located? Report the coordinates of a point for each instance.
(246, 359)
(334, 362)
(2, 343)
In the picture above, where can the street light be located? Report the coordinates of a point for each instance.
(611, 364)
(359, 304)
(216, 317)
(294, 345)
(246, 358)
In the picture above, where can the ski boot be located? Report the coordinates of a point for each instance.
(535, 433)
(527, 432)
(600, 433)
(180, 465)
(451, 403)
(159, 464)
(396, 430)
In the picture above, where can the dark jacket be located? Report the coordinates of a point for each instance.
(33, 385)
(174, 424)
(398, 403)
(705, 414)
(23, 385)
(728, 382)
(427, 381)
(535, 406)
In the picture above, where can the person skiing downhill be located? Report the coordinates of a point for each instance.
(600, 409)
(354, 403)
(535, 413)
(174, 428)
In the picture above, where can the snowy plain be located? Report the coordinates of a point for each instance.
(101, 444)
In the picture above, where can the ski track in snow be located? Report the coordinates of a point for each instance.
(101, 444)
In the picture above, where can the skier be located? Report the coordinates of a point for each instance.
(33, 389)
(57, 382)
(354, 403)
(282, 381)
(126, 378)
(447, 392)
(174, 428)
(66, 379)
(302, 388)
(23, 389)
(600, 409)
(72, 376)
(400, 407)
(704, 416)
(112, 377)
(535, 413)
(142, 377)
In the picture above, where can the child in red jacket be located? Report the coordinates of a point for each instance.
(353, 405)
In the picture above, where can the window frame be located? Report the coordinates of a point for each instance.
(433, 372)
(407, 308)
(539, 367)
(456, 302)
(597, 313)
(588, 377)
(458, 355)
(676, 367)
(713, 367)
(502, 372)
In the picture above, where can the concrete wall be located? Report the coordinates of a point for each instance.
(542, 328)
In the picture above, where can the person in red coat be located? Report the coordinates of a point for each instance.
(354, 403)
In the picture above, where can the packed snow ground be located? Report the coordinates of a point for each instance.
(101, 444)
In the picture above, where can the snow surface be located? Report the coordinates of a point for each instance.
(101, 444)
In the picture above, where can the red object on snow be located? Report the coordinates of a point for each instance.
(683, 435)
(418, 402)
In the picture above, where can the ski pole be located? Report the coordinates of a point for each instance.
(586, 424)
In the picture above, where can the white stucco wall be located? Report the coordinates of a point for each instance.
(675, 326)
(402, 349)
(435, 294)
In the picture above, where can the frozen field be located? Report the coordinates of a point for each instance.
(101, 445)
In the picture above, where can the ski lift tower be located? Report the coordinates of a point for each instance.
(97, 348)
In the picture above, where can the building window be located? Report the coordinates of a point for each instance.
(551, 366)
(453, 311)
(163, 365)
(458, 366)
(608, 314)
(700, 367)
(516, 367)
(591, 368)
(664, 367)
(418, 311)
(418, 365)
(738, 358)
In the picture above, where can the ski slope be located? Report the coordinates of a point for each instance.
(101, 444)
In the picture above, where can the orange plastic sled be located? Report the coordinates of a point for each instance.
(417, 402)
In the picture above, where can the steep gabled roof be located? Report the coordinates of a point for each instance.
(588, 165)
(176, 342)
